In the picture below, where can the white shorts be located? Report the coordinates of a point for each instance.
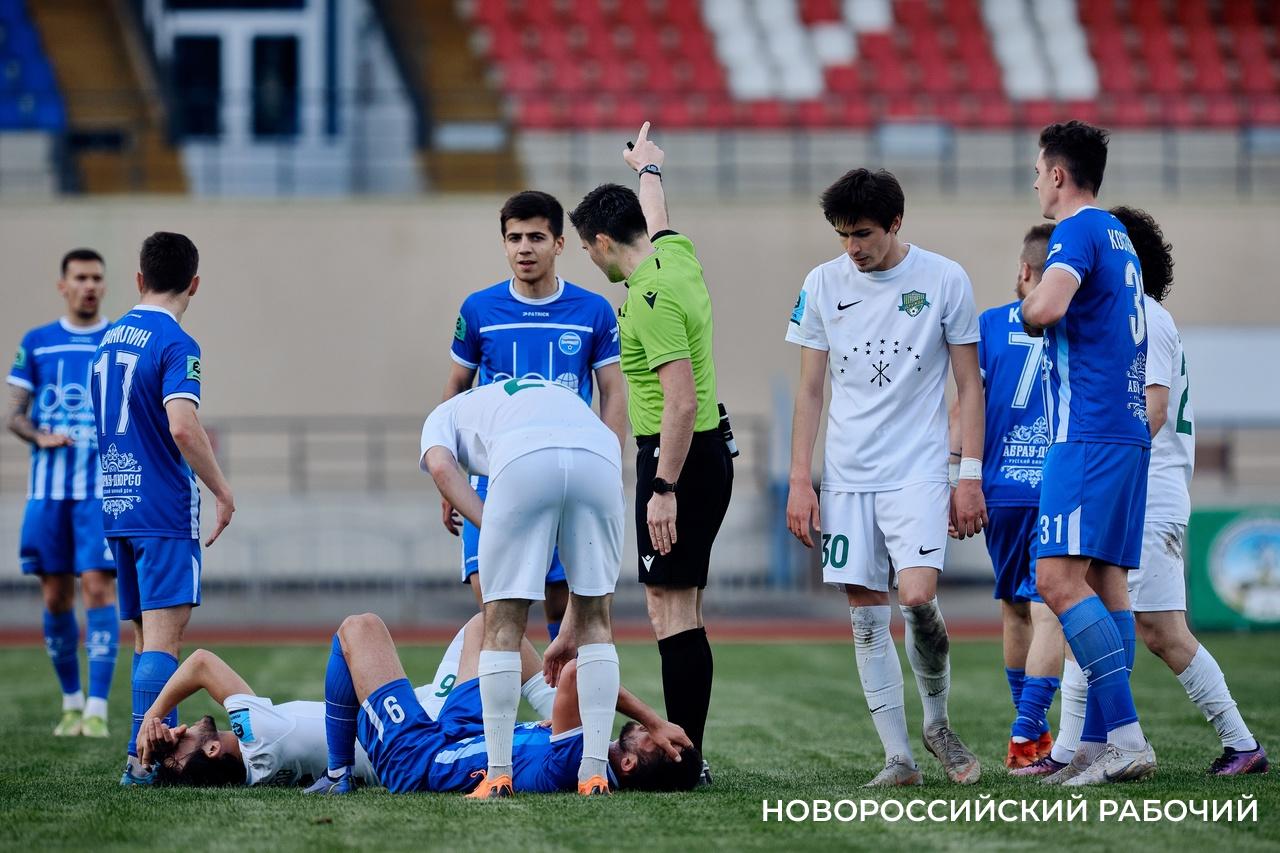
(867, 536)
(566, 497)
(1159, 583)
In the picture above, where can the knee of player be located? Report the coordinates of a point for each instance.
(357, 624)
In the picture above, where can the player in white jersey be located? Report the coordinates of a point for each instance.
(884, 320)
(1157, 589)
(279, 744)
(555, 480)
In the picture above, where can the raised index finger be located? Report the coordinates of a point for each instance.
(643, 134)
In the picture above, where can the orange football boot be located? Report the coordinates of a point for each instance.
(486, 790)
(1020, 754)
(596, 786)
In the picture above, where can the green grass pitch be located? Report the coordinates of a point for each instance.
(788, 722)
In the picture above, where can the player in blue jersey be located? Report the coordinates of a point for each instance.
(146, 389)
(534, 325)
(1017, 437)
(62, 538)
(412, 752)
(1089, 303)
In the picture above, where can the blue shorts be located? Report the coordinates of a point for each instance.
(61, 537)
(154, 573)
(1011, 536)
(1093, 501)
(402, 740)
(471, 543)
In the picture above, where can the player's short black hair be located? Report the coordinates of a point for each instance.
(168, 262)
(658, 772)
(532, 204)
(1155, 254)
(80, 255)
(863, 194)
(609, 209)
(1035, 244)
(1079, 148)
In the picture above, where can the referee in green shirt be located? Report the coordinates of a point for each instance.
(683, 492)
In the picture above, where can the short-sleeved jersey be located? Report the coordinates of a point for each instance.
(1017, 434)
(1173, 450)
(53, 363)
(541, 762)
(667, 317)
(1095, 356)
(887, 335)
(489, 426)
(285, 744)
(144, 361)
(562, 338)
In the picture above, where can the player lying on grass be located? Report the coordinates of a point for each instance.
(412, 752)
(270, 744)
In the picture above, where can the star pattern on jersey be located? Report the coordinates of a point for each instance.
(880, 363)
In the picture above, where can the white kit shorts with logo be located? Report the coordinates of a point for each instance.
(553, 496)
(1159, 583)
(867, 536)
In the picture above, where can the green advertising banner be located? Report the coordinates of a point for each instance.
(1234, 568)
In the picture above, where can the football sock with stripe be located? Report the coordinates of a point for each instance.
(1037, 696)
(598, 682)
(929, 651)
(1016, 678)
(687, 671)
(1127, 735)
(62, 641)
(149, 678)
(1099, 649)
(102, 644)
(881, 675)
(499, 701)
(1206, 686)
(340, 709)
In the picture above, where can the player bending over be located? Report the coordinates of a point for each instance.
(1157, 589)
(277, 744)
(412, 752)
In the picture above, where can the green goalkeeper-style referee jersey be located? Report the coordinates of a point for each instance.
(667, 316)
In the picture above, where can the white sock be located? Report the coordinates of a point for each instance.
(598, 682)
(881, 677)
(1128, 736)
(96, 706)
(1088, 750)
(499, 699)
(73, 701)
(929, 651)
(1075, 693)
(1207, 688)
(540, 695)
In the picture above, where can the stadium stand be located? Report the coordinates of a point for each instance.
(826, 63)
(29, 96)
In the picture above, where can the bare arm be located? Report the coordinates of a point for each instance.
(202, 670)
(453, 484)
(802, 502)
(193, 443)
(613, 400)
(679, 413)
(21, 425)
(1048, 302)
(970, 509)
(565, 716)
(460, 378)
(653, 201)
(1157, 407)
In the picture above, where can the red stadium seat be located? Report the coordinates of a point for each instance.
(1222, 112)
(1264, 111)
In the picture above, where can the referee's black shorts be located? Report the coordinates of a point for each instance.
(702, 498)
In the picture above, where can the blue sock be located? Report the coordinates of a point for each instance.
(1099, 649)
(1033, 710)
(1016, 677)
(149, 678)
(102, 643)
(62, 641)
(1128, 635)
(340, 707)
(553, 629)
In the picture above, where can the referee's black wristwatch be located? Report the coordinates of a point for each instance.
(650, 169)
(662, 487)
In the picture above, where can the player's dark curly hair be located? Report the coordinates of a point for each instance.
(168, 262)
(863, 194)
(1155, 254)
(658, 772)
(609, 209)
(201, 771)
(1079, 148)
(80, 255)
(532, 204)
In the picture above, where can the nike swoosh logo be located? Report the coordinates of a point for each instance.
(873, 710)
(923, 552)
(937, 692)
(840, 306)
(648, 562)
